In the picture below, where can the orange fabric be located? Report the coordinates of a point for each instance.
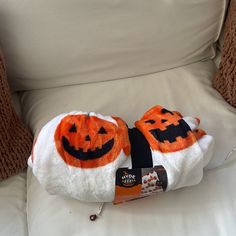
(96, 137)
(156, 119)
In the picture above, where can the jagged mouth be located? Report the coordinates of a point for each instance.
(89, 155)
(171, 132)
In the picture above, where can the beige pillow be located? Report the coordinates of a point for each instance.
(225, 78)
(15, 139)
(78, 42)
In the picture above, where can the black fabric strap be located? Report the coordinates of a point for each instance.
(140, 150)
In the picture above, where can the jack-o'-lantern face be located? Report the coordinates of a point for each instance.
(166, 131)
(88, 141)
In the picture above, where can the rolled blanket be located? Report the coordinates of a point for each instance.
(78, 154)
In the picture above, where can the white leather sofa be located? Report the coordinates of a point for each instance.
(118, 57)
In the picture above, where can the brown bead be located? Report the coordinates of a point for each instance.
(93, 217)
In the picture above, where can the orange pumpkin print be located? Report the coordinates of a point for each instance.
(166, 131)
(88, 141)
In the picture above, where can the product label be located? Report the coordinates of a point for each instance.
(137, 183)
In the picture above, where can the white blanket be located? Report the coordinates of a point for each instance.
(77, 154)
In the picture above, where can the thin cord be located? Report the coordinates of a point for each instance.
(229, 157)
(99, 212)
(230, 153)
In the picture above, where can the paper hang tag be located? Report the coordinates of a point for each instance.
(137, 183)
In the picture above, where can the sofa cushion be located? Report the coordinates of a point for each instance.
(55, 43)
(206, 209)
(13, 206)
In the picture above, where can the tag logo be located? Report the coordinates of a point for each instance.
(128, 180)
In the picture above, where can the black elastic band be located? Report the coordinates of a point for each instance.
(140, 150)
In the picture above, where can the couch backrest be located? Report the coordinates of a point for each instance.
(57, 42)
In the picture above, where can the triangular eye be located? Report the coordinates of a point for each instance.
(163, 120)
(73, 129)
(150, 121)
(102, 131)
(164, 111)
